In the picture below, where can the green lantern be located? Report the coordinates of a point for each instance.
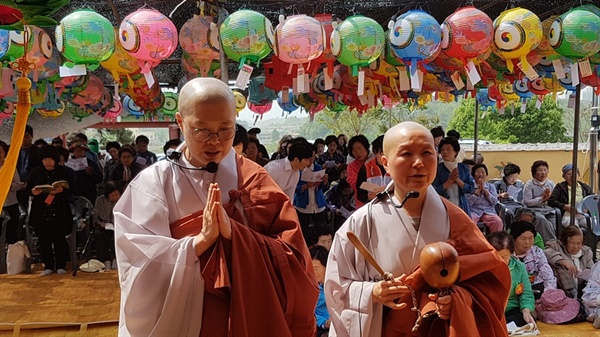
(357, 41)
(85, 37)
(576, 34)
(170, 106)
(246, 36)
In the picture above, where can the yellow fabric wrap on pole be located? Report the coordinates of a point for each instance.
(10, 164)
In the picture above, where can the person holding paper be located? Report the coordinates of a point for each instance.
(50, 212)
(286, 171)
(372, 177)
(143, 156)
(309, 198)
(104, 237)
(358, 298)
(569, 257)
(331, 159)
(87, 172)
(211, 253)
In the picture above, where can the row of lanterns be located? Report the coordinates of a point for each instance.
(415, 57)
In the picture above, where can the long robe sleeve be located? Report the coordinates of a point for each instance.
(160, 276)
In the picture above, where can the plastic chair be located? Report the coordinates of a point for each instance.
(589, 208)
(4, 217)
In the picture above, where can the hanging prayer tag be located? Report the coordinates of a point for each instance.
(244, 77)
(575, 73)
(559, 70)
(328, 79)
(285, 94)
(149, 79)
(300, 79)
(528, 71)
(523, 106)
(404, 80)
(363, 99)
(361, 83)
(472, 73)
(584, 68)
(538, 103)
(458, 82)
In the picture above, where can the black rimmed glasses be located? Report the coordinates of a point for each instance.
(203, 135)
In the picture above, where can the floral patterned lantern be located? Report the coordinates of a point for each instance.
(85, 37)
(517, 31)
(240, 101)
(52, 113)
(288, 106)
(4, 42)
(115, 111)
(298, 39)
(6, 110)
(120, 63)
(246, 36)
(576, 34)
(170, 106)
(90, 95)
(16, 44)
(357, 41)
(149, 36)
(41, 50)
(414, 36)
(328, 23)
(467, 33)
(544, 48)
(194, 38)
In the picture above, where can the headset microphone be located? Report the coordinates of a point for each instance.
(409, 195)
(173, 156)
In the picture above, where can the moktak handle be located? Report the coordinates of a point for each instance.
(367, 255)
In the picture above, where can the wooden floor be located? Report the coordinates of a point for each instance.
(88, 305)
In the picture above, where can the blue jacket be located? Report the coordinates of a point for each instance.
(301, 197)
(464, 174)
(321, 313)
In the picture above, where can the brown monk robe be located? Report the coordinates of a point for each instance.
(483, 287)
(269, 247)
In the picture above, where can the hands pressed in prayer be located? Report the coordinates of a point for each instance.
(215, 221)
(444, 305)
(387, 292)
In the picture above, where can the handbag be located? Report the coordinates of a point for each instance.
(17, 256)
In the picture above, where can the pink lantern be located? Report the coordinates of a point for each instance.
(195, 36)
(114, 112)
(91, 95)
(149, 36)
(299, 39)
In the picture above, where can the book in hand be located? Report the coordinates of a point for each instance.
(526, 330)
(50, 188)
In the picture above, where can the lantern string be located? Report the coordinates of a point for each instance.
(174, 9)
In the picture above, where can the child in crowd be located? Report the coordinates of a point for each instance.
(319, 259)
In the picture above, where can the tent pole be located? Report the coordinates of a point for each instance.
(575, 154)
(476, 132)
(594, 144)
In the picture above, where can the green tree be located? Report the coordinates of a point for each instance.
(350, 122)
(544, 125)
(312, 130)
(123, 136)
(275, 136)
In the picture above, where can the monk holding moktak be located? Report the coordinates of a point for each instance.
(395, 227)
(207, 243)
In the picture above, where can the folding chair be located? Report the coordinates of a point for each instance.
(589, 208)
(82, 216)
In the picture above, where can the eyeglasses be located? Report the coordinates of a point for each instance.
(203, 135)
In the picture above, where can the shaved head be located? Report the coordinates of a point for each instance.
(204, 90)
(206, 106)
(399, 132)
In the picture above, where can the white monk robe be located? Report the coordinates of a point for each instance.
(160, 285)
(390, 236)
